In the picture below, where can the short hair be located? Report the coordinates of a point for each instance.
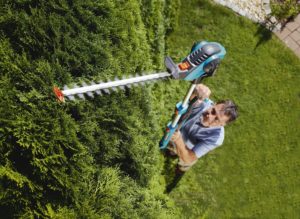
(230, 109)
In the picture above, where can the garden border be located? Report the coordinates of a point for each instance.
(289, 34)
(264, 11)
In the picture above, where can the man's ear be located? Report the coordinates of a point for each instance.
(226, 122)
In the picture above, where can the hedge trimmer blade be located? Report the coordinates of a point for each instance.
(200, 63)
(105, 87)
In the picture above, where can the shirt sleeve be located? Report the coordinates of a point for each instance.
(201, 149)
(208, 144)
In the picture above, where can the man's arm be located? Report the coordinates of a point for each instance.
(184, 153)
(188, 156)
(201, 92)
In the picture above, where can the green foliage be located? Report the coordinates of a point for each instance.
(153, 18)
(285, 9)
(160, 18)
(171, 15)
(39, 146)
(83, 159)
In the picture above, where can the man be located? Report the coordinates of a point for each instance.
(202, 128)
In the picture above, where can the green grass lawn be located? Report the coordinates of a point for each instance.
(255, 174)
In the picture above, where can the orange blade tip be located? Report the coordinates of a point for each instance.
(59, 95)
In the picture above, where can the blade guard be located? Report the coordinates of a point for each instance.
(172, 68)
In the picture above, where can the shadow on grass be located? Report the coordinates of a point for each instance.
(172, 175)
(263, 34)
(174, 182)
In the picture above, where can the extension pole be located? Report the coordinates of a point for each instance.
(185, 104)
(186, 101)
(181, 109)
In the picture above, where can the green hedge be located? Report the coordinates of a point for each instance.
(82, 159)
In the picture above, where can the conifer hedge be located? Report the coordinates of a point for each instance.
(82, 159)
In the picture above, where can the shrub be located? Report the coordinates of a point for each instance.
(285, 10)
(84, 158)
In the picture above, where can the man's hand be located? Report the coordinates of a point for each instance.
(175, 137)
(202, 91)
(185, 154)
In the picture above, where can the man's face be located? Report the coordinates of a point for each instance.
(214, 116)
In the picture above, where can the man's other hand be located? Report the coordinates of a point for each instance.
(202, 91)
(175, 137)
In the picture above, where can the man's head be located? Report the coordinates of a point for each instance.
(220, 114)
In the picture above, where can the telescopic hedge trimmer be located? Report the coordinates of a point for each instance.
(200, 63)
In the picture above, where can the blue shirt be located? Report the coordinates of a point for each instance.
(198, 138)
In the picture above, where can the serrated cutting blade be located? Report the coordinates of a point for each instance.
(128, 82)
